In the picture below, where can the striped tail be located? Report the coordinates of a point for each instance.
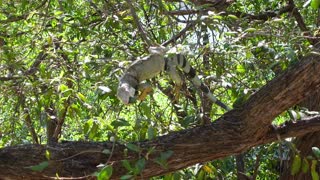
(181, 61)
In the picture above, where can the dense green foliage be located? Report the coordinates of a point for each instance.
(60, 61)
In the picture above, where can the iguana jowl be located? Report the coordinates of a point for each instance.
(150, 66)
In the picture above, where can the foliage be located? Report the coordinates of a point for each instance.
(60, 63)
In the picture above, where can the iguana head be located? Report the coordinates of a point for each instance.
(126, 93)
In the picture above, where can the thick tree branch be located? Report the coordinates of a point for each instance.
(235, 132)
(299, 19)
(264, 15)
(292, 128)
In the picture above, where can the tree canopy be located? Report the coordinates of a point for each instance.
(60, 63)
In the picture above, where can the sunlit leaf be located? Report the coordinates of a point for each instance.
(207, 169)
(296, 165)
(105, 173)
(133, 147)
(231, 16)
(250, 30)
(47, 154)
(82, 97)
(314, 173)
(94, 130)
(305, 165)
(241, 68)
(315, 4)
(120, 123)
(63, 87)
(125, 177)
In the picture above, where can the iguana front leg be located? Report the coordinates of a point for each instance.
(145, 89)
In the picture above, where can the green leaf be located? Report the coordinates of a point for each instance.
(120, 123)
(146, 108)
(125, 177)
(315, 4)
(105, 173)
(40, 167)
(241, 68)
(54, 23)
(305, 165)
(316, 152)
(296, 165)
(87, 126)
(93, 130)
(200, 175)
(231, 33)
(151, 132)
(128, 19)
(58, 13)
(249, 30)
(164, 156)
(82, 97)
(126, 164)
(63, 87)
(186, 121)
(217, 17)
(140, 164)
(231, 16)
(133, 147)
(47, 154)
(314, 173)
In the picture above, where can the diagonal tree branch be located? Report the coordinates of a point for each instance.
(181, 33)
(142, 32)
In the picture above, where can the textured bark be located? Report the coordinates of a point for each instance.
(305, 143)
(235, 132)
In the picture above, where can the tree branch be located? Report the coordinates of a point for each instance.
(181, 33)
(235, 132)
(143, 34)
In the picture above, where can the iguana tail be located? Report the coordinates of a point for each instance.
(181, 61)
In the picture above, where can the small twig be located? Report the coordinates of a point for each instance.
(83, 152)
(299, 19)
(181, 33)
(138, 24)
(256, 167)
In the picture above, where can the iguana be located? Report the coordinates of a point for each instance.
(150, 66)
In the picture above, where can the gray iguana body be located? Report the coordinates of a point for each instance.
(150, 66)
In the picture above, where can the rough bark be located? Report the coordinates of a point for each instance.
(304, 143)
(233, 133)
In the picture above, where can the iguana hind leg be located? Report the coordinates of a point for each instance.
(176, 92)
